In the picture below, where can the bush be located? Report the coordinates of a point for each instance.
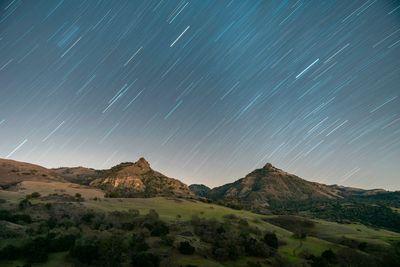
(36, 250)
(61, 243)
(271, 240)
(10, 252)
(23, 204)
(329, 256)
(88, 217)
(185, 248)
(111, 251)
(145, 259)
(157, 228)
(168, 240)
(79, 197)
(33, 195)
(85, 250)
(256, 248)
(138, 243)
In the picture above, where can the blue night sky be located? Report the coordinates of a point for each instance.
(206, 91)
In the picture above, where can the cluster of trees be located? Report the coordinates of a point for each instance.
(233, 239)
(360, 209)
(127, 238)
(37, 249)
(301, 227)
(20, 218)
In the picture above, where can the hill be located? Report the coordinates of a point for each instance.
(78, 175)
(63, 219)
(13, 172)
(200, 190)
(139, 180)
(267, 184)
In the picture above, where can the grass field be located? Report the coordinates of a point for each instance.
(324, 235)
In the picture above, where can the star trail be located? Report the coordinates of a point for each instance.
(205, 90)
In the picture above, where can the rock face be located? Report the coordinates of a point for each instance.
(267, 184)
(139, 180)
(200, 190)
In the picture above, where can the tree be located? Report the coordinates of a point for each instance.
(145, 259)
(10, 252)
(185, 248)
(329, 256)
(36, 250)
(138, 243)
(24, 203)
(271, 240)
(86, 250)
(33, 195)
(111, 251)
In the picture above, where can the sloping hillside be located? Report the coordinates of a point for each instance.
(270, 183)
(13, 172)
(139, 180)
(78, 175)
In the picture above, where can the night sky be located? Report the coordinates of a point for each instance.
(206, 91)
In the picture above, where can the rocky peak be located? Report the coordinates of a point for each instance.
(269, 166)
(143, 164)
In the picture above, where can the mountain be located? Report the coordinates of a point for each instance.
(127, 179)
(139, 180)
(267, 184)
(356, 192)
(13, 172)
(200, 190)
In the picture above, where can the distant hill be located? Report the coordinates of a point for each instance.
(270, 184)
(127, 179)
(13, 172)
(200, 190)
(78, 175)
(139, 180)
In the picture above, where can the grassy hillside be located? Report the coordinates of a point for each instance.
(57, 211)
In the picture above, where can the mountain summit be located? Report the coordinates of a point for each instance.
(139, 180)
(267, 184)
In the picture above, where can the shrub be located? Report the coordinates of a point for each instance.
(36, 250)
(88, 217)
(138, 243)
(33, 195)
(256, 248)
(185, 248)
(145, 259)
(10, 252)
(271, 240)
(168, 240)
(157, 228)
(24, 203)
(111, 251)
(85, 250)
(61, 243)
(329, 256)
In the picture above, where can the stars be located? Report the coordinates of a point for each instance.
(53, 131)
(16, 149)
(215, 89)
(179, 37)
(173, 109)
(129, 60)
(306, 69)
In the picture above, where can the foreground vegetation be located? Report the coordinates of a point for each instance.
(73, 230)
(378, 211)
